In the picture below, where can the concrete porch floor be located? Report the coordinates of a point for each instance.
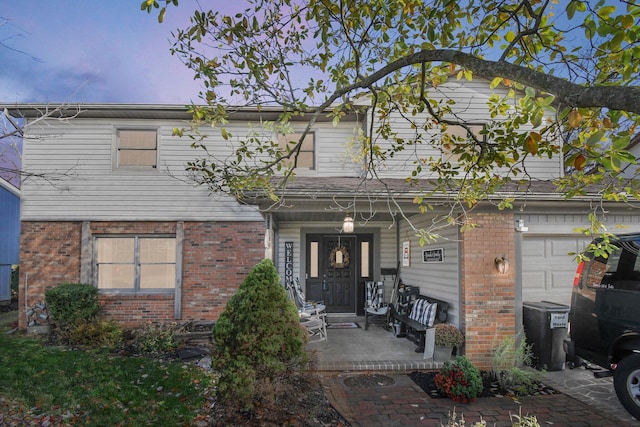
(375, 349)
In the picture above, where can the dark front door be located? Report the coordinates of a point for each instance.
(333, 266)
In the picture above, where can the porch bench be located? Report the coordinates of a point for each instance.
(414, 324)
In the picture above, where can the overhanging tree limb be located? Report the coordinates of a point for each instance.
(572, 94)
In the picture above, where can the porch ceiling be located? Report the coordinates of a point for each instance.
(329, 216)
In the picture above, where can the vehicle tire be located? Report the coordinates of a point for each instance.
(626, 380)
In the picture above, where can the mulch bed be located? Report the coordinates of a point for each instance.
(491, 386)
(6, 307)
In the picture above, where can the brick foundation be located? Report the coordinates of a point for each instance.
(217, 257)
(488, 297)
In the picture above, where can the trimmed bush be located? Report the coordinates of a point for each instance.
(71, 303)
(259, 340)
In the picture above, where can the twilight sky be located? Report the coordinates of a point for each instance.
(92, 52)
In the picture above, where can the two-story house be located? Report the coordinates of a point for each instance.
(121, 213)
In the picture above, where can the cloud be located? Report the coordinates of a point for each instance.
(92, 52)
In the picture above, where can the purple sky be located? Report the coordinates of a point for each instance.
(92, 52)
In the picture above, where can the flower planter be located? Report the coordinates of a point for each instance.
(442, 354)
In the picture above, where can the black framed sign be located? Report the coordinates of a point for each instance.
(433, 255)
(288, 262)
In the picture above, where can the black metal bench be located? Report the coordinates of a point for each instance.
(412, 329)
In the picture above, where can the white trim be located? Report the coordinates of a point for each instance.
(10, 188)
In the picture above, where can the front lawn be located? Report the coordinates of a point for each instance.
(39, 383)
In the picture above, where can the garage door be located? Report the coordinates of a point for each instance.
(547, 269)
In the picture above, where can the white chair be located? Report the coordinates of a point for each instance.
(316, 325)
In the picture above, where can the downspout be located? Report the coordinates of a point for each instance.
(177, 309)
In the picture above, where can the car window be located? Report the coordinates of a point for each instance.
(621, 270)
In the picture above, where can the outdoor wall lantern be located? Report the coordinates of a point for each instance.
(502, 264)
(347, 224)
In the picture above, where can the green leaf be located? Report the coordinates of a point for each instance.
(606, 11)
(510, 36)
(595, 138)
(571, 9)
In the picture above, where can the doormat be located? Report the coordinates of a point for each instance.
(344, 325)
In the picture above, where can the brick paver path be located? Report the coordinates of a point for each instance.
(405, 404)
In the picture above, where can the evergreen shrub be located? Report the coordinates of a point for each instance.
(71, 303)
(259, 341)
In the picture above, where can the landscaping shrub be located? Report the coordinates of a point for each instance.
(156, 338)
(94, 333)
(259, 342)
(511, 366)
(459, 380)
(71, 303)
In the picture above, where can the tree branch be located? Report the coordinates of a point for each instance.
(571, 94)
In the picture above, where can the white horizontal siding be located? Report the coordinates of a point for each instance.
(438, 280)
(471, 106)
(81, 184)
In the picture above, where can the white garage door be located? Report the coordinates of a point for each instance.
(547, 269)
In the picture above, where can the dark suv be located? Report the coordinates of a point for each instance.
(605, 317)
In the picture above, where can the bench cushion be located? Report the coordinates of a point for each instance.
(424, 312)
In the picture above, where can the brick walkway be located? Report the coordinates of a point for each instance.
(403, 403)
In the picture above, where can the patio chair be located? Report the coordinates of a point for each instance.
(296, 294)
(375, 310)
(316, 325)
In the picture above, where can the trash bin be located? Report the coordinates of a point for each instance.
(545, 326)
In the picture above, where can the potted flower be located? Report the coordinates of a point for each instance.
(446, 337)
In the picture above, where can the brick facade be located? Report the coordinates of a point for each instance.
(49, 255)
(217, 256)
(488, 309)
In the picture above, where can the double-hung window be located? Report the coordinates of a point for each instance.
(136, 148)
(136, 263)
(306, 155)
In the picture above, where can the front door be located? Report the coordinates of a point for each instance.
(334, 266)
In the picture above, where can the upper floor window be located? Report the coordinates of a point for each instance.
(457, 139)
(306, 156)
(136, 263)
(137, 148)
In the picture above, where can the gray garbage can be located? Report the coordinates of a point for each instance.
(545, 326)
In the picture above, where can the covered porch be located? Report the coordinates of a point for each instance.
(308, 243)
(357, 349)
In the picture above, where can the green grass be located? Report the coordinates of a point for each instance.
(99, 388)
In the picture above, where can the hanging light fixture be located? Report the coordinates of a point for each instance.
(347, 224)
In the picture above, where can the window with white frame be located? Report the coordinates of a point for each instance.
(306, 156)
(136, 263)
(137, 148)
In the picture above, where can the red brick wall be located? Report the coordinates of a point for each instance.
(216, 258)
(488, 297)
(49, 256)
